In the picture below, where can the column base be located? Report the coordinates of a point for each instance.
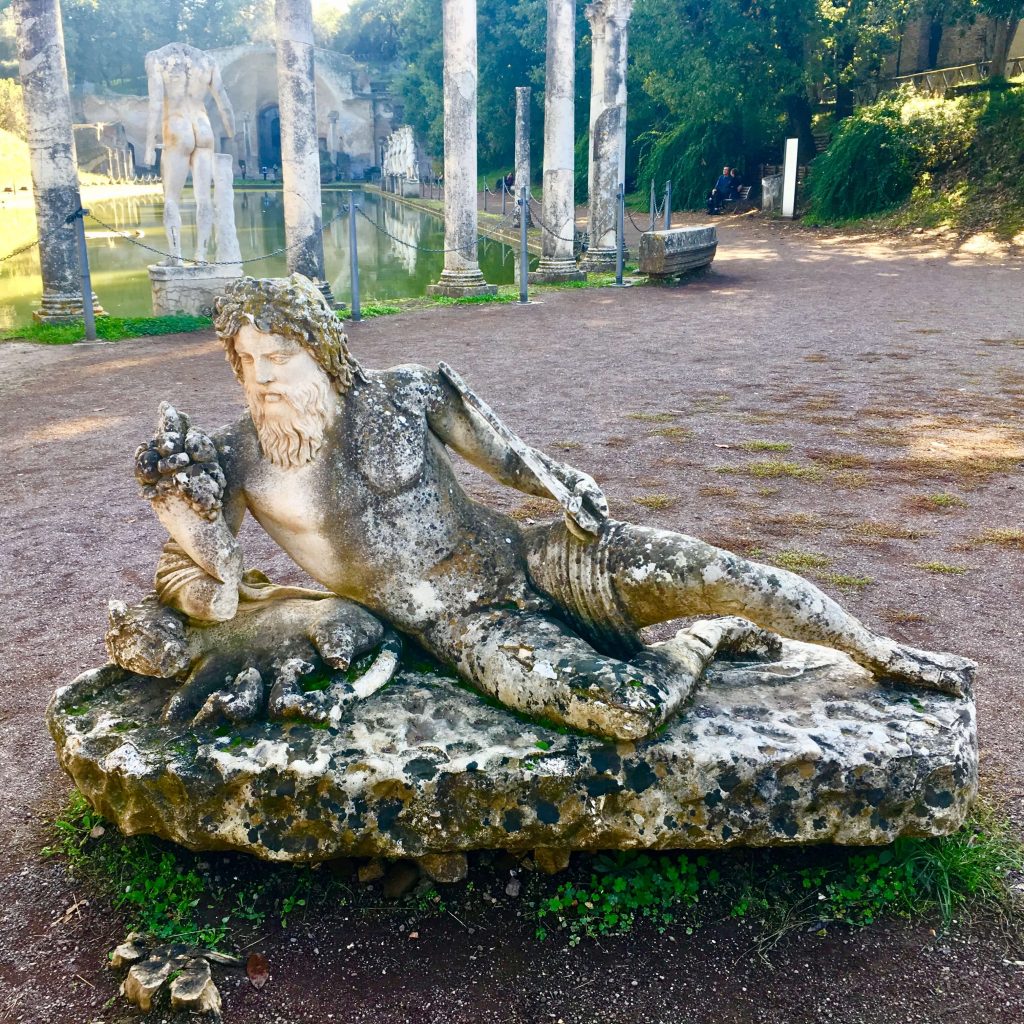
(55, 308)
(325, 291)
(459, 284)
(556, 271)
(601, 261)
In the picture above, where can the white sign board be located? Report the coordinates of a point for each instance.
(789, 178)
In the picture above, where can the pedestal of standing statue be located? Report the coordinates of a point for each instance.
(456, 284)
(189, 289)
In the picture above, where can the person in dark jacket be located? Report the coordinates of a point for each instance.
(721, 192)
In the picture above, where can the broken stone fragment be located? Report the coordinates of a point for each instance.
(551, 860)
(193, 989)
(371, 871)
(144, 981)
(444, 867)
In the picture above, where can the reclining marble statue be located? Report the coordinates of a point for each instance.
(349, 471)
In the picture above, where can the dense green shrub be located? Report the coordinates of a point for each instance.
(880, 152)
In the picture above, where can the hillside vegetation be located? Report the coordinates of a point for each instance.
(931, 163)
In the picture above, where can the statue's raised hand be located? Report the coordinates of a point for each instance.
(181, 461)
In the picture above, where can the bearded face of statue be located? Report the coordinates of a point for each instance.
(290, 398)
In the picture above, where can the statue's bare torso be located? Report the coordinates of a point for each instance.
(391, 526)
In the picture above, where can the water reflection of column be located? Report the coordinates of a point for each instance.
(406, 228)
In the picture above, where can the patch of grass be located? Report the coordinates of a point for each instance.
(796, 520)
(767, 446)
(1005, 537)
(108, 328)
(623, 889)
(566, 445)
(674, 433)
(657, 501)
(652, 417)
(941, 568)
(871, 530)
(937, 502)
(772, 468)
(801, 561)
(840, 460)
(845, 580)
(375, 309)
(900, 617)
(717, 491)
(475, 300)
(850, 479)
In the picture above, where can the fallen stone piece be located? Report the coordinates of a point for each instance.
(678, 251)
(804, 749)
(445, 867)
(193, 989)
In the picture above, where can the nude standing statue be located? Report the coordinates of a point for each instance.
(349, 470)
(180, 78)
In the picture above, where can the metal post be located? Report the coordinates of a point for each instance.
(654, 208)
(668, 204)
(524, 253)
(83, 258)
(485, 198)
(353, 255)
(504, 193)
(620, 232)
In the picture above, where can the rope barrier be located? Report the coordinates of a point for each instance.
(634, 223)
(29, 245)
(421, 248)
(544, 226)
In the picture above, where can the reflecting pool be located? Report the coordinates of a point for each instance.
(390, 239)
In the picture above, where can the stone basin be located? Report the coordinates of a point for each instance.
(806, 749)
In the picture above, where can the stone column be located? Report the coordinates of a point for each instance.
(461, 274)
(609, 26)
(54, 166)
(332, 132)
(558, 261)
(300, 149)
(522, 170)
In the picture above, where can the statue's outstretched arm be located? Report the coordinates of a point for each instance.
(201, 566)
(156, 111)
(470, 427)
(220, 97)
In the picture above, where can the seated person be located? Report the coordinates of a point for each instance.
(737, 182)
(721, 192)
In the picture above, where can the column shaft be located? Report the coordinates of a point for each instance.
(51, 141)
(300, 152)
(461, 274)
(558, 261)
(609, 20)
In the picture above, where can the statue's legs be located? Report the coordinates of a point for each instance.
(174, 165)
(202, 184)
(642, 576)
(536, 664)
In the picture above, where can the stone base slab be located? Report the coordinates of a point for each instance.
(410, 189)
(551, 271)
(678, 251)
(61, 309)
(459, 285)
(189, 289)
(806, 749)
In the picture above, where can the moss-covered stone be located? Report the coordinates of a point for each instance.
(805, 749)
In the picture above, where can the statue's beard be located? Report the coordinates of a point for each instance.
(291, 433)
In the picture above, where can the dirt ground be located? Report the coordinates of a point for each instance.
(896, 374)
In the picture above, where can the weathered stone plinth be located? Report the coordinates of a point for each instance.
(803, 750)
(556, 271)
(59, 309)
(601, 261)
(410, 188)
(666, 254)
(456, 284)
(188, 289)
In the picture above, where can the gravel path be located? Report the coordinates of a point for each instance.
(894, 373)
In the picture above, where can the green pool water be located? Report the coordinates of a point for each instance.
(389, 267)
